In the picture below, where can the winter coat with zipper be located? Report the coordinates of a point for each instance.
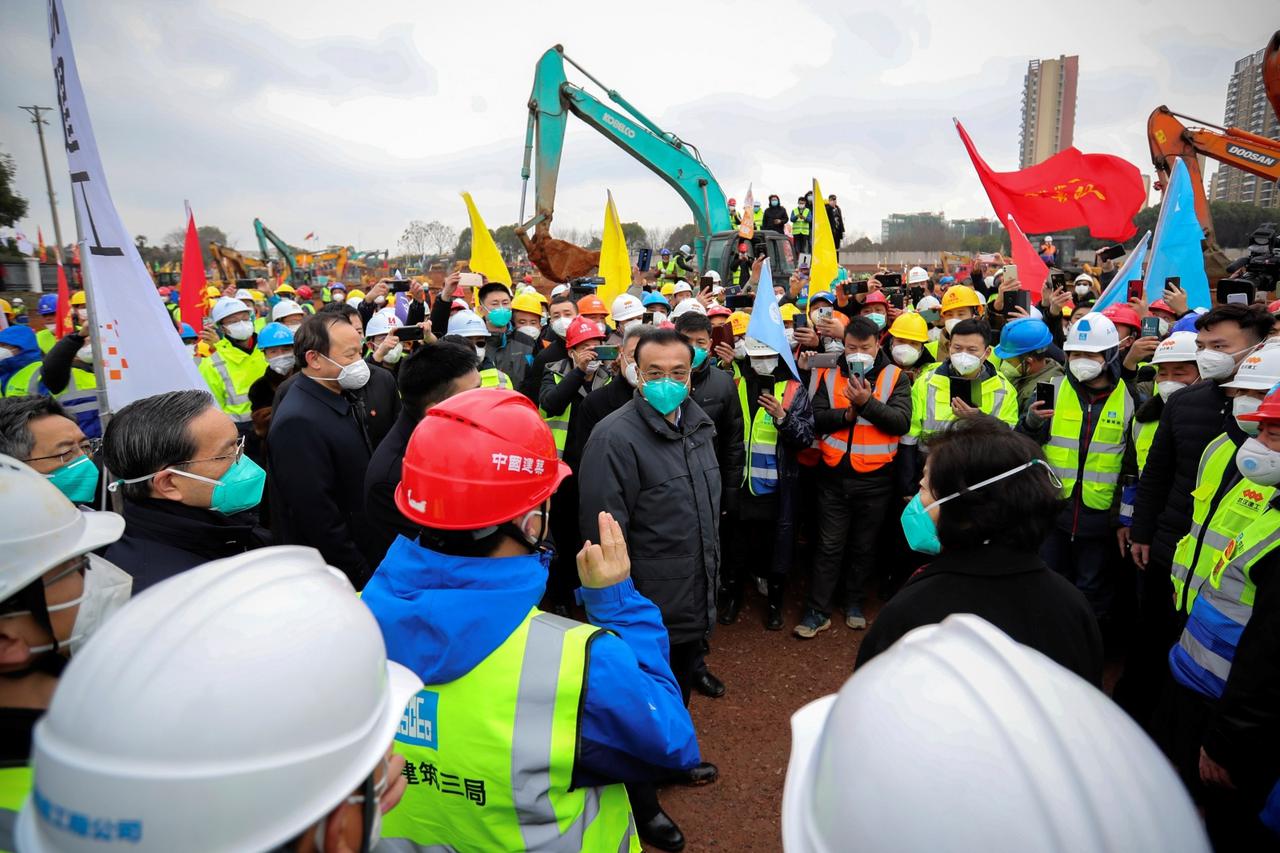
(661, 482)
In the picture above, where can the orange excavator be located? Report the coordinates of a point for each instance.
(1170, 138)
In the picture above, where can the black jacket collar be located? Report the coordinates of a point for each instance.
(338, 402)
(692, 418)
(982, 561)
(200, 531)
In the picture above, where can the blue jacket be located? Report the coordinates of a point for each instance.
(29, 351)
(442, 615)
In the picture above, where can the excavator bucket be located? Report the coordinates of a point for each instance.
(557, 260)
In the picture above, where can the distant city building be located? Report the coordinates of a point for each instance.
(932, 230)
(899, 225)
(1248, 109)
(1048, 108)
(983, 227)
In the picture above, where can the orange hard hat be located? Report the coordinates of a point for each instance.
(592, 304)
(476, 460)
(1123, 315)
(582, 329)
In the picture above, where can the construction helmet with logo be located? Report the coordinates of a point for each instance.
(1259, 371)
(789, 311)
(227, 307)
(739, 320)
(1094, 332)
(627, 307)
(467, 324)
(580, 330)
(477, 460)
(917, 275)
(956, 727)
(1179, 346)
(960, 296)
(592, 304)
(910, 327)
(47, 304)
(285, 308)
(689, 306)
(305, 708)
(380, 324)
(876, 297)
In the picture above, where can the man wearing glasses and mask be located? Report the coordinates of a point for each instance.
(189, 490)
(39, 432)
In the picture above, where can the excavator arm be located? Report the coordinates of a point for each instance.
(230, 264)
(675, 161)
(265, 235)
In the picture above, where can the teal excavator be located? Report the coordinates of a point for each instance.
(287, 253)
(675, 161)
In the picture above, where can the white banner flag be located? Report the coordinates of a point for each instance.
(140, 352)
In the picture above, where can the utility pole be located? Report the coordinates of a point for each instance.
(39, 122)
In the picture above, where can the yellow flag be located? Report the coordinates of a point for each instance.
(615, 261)
(485, 257)
(824, 266)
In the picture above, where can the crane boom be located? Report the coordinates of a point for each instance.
(266, 235)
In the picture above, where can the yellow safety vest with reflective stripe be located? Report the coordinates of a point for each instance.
(492, 377)
(1199, 550)
(45, 339)
(15, 785)
(931, 403)
(229, 372)
(1222, 603)
(489, 756)
(560, 423)
(1142, 435)
(668, 270)
(760, 435)
(1099, 471)
(799, 222)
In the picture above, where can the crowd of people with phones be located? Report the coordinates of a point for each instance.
(488, 464)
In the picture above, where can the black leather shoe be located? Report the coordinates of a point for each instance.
(661, 832)
(773, 619)
(702, 774)
(708, 685)
(730, 607)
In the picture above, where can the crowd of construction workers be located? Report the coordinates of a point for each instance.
(547, 502)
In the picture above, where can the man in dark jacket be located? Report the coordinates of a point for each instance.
(836, 217)
(432, 373)
(562, 310)
(602, 402)
(510, 353)
(776, 216)
(167, 454)
(320, 448)
(860, 427)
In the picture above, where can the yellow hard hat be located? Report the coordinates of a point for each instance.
(738, 322)
(910, 327)
(212, 292)
(285, 288)
(960, 296)
(530, 303)
(668, 288)
(5, 306)
(789, 311)
(356, 294)
(258, 296)
(77, 298)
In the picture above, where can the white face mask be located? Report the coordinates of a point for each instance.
(1084, 369)
(107, 588)
(631, 374)
(1258, 463)
(833, 346)
(339, 296)
(740, 349)
(82, 315)
(380, 300)
(1168, 386)
(765, 365)
(593, 365)
(394, 354)
(530, 332)
(85, 354)
(905, 354)
(1163, 326)
(1243, 405)
(241, 330)
(965, 363)
(934, 333)
(560, 325)
(951, 324)
(5, 352)
(351, 376)
(1219, 365)
(282, 364)
(1083, 290)
(627, 324)
(480, 351)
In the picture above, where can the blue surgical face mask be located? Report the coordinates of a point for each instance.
(664, 394)
(78, 479)
(699, 357)
(499, 317)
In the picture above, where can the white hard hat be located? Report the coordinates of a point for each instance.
(1259, 371)
(713, 275)
(757, 348)
(226, 307)
(685, 249)
(682, 287)
(285, 308)
(42, 528)
(1085, 277)
(689, 305)
(935, 743)
(468, 325)
(460, 304)
(626, 307)
(243, 294)
(559, 289)
(917, 275)
(380, 324)
(1048, 239)
(928, 303)
(355, 303)
(233, 706)
(1179, 346)
(1093, 332)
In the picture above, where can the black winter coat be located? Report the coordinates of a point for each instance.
(380, 481)
(1191, 419)
(555, 351)
(597, 406)
(661, 483)
(776, 219)
(1013, 590)
(163, 538)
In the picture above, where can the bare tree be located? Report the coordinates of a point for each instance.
(440, 238)
(415, 239)
(658, 235)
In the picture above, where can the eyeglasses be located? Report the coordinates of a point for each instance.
(680, 375)
(234, 456)
(89, 447)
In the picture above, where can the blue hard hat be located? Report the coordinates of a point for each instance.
(174, 295)
(947, 279)
(821, 294)
(665, 252)
(275, 335)
(48, 304)
(1023, 336)
(652, 298)
(1186, 324)
(187, 333)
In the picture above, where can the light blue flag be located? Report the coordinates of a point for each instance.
(766, 320)
(1118, 289)
(1175, 249)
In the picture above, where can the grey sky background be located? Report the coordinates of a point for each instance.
(350, 119)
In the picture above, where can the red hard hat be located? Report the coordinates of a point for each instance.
(478, 459)
(458, 305)
(718, 311)
(1122, 315)
(582, 329)
(164, 291)
(592, 305)
(733, 201)
(1268, 411)
(875, 298)
(1161, 305)
(1272, 308)
(304, 292)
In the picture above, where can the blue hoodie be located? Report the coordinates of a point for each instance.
(29, 351)
(442, 615)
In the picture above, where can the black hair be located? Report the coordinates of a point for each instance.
(342, 309)
(1017, 512)
(661, 337)
(561, 299)
(860, 328)
(692, 321)
(492, 287)
(16, 415)
(973, 326)
(425, 376)
(152, 434)
(1250, 318)
(313, 334)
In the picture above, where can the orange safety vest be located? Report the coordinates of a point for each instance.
(867, 447)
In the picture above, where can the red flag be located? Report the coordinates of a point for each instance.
(62, 326)
(310, 234)
(40, 240)
(1069, 189)
(1032, 271)
(191, 286)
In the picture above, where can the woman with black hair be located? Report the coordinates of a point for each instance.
(986, 502)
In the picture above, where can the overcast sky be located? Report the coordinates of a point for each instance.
(351, 118)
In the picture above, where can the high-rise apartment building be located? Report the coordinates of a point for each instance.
(1048, 108)
(1247, 109)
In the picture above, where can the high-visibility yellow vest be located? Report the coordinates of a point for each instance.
(45, 339)
(15, 785)
(492, 377)
(799, 222)
(559, 424)
(1205, 543)
(1099, 471)
(758, 217)
(760, 435)
(229, 372)
(931, 402)
(79, 398)
(1142, 435)
(668, 270)
(501, 780)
